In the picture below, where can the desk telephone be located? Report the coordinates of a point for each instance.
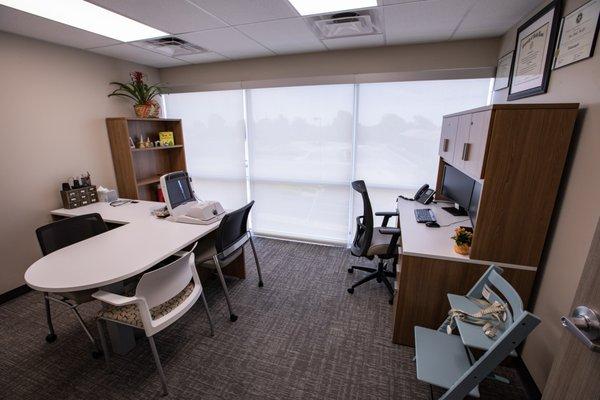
(424, 195)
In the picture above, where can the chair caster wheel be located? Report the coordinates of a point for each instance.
(260, 284)
(233, 317)
(50, 338)
(350, 290)
(96, 354)
(350, 270)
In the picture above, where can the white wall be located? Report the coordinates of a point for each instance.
(53, 104)
(578, 211)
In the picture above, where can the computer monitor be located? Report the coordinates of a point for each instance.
(474, 203)
(458, 187)
(177, 189)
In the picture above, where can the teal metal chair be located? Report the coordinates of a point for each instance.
(446, 360)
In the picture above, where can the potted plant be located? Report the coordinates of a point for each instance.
(462, 240)
(143, 94)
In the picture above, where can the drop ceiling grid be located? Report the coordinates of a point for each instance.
(233, 29)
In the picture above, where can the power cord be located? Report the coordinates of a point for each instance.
(454, 223)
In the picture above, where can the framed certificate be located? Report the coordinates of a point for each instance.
(534, 50)
(503, 71)
(578, 35)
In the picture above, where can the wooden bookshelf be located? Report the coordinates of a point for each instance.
(138, 170)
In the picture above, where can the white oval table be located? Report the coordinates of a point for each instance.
(113, 256)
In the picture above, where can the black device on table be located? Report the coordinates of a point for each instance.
(424, 215)
(424, 195)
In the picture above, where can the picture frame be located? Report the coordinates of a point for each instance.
(534, 53)
(578, 35)
(503, 70)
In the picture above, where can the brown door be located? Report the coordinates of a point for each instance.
(575, 372)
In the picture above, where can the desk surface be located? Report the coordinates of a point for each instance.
(114, 255)
(420, 241)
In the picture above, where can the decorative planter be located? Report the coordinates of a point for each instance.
(462, 249)
(151, 110)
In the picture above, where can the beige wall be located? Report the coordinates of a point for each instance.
(469, 58)
(577, 212)
(53, 104)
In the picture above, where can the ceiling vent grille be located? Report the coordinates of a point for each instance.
(171, 46)
(345, 24)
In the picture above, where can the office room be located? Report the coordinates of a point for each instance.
(300, 199)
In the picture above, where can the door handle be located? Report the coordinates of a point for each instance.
(584, 323)
(445, 146)
(465, 152)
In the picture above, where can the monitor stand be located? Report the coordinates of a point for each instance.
(457, 212)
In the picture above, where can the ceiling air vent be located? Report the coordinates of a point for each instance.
(347, 24)
(171, 46)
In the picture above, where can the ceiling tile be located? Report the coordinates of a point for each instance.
(135, 54)
(237, 12)
(228, 42)
(173, 16)
(25, 24)
(202, 58)
(354, 42)
(423, 21)
(284, 36)
(493, 17)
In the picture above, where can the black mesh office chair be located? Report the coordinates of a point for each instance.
(231, 237)
(370, 242)
(54, 237)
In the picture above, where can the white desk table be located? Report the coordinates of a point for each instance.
(429, 269)
(113, 256)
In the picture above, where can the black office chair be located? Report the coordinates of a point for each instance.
(370, 242)
(231, 237)
(54, 237)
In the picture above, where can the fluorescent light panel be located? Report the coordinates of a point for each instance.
(89, 17)
(309, 7)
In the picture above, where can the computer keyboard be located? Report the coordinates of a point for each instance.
(424, 215)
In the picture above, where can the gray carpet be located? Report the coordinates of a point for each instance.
(301, 336)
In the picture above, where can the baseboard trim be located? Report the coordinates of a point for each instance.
(13, 294)
(531, 389)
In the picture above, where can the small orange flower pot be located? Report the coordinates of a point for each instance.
(462, 249)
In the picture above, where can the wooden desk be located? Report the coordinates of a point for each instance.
(429, 269)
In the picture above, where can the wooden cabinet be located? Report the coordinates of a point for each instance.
(517, 152)
(469, 142)
(474, 147)
(138, 170)
(448, 138)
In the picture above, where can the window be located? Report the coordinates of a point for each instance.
(295, 150)
(300, 160)
(215, 142)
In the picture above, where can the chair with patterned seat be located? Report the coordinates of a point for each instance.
(162, 296)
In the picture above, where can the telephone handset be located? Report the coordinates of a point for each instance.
(424, 195)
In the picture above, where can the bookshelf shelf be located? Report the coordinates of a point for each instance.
(139, 170)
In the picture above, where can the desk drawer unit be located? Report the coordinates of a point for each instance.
(79, 197)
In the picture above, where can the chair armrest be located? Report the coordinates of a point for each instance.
(395, 232)
(389, 231)
(386, 216)
(114, 299)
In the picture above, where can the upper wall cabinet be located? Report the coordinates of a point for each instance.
(448, 138)
(519, 150)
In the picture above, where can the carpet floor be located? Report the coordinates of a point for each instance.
(301, 336)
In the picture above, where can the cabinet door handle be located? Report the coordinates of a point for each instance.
(465, 152)
(445, 146)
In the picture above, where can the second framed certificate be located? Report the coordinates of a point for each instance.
(578, 34)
